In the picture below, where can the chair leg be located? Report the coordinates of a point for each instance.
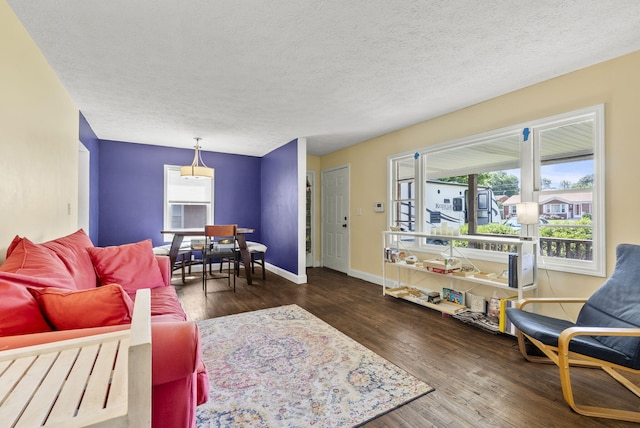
(182, 268)
(264, 272)
(204, 275)
(261, 263)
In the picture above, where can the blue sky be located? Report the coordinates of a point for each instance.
(571, 171)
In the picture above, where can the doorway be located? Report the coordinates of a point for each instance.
(310, 218)
(335, 221)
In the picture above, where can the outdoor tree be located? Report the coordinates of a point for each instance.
(503, 183)
(585, 182)
(565, 184)
(482, 179)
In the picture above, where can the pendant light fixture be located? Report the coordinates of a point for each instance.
(195, 170)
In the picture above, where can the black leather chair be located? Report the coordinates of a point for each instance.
(605, 335)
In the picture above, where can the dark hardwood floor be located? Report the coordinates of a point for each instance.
(480, 379)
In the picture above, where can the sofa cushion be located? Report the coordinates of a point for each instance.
(72, 252)
(94, 307)
(34, 260)
(133, 266)
(165, 305)
(19, 311)
(12, 245)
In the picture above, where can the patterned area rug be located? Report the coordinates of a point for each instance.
(284, 367)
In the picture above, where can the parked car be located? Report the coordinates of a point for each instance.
(512, 222)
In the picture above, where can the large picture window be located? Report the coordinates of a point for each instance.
(188, 202)
(474, 185)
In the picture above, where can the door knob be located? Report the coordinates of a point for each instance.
(344, 225)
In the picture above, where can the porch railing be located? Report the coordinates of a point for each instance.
(577, 249)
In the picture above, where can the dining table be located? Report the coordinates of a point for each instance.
(178, 237)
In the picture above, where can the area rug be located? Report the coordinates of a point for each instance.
(284, 367)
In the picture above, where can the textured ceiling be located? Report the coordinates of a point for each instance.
(249, 76)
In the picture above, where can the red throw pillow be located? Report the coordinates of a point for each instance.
(133, 266)
(19, 311)
(13, 244)
(94, 307)
(35, 260)
(72, 252)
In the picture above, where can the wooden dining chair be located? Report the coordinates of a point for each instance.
(183, 257)
(257, 252)
(220, 245)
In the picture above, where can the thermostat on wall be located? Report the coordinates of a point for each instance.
(378, 207)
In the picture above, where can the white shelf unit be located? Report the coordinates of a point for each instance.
(398, 241)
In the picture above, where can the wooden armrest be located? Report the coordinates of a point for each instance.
(141, 319)
(528, 300)
(102, 380)
(139, 385)
(565, 337)
(572, 332)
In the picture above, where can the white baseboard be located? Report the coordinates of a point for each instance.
(365, 276)
(296, 279)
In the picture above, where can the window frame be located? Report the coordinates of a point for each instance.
(530, 183)
(168, 237)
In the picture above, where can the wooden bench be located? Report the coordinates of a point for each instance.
(98, 381)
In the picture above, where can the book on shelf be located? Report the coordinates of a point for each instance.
(493, 308)
(494, 319)
(527, 269)
(476, 303)
(451, 295)
(504, 323)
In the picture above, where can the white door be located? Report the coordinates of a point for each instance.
(335, 221)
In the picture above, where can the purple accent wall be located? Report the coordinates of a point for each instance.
(131, 190)
(89, 139)
(127, 193)
(279, 188)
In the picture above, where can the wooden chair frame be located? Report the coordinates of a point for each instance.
(257, 258)
(94, 381)
(562, 357)
(219, 231)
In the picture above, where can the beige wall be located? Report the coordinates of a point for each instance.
(38, 141)
(614, 83)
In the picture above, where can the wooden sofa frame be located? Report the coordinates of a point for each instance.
(97, 381)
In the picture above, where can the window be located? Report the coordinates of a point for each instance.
(570, 190)
(475, 183)
(476, 173)
(403, 200)
(188, 201)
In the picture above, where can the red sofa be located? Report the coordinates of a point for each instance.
(68, 288)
